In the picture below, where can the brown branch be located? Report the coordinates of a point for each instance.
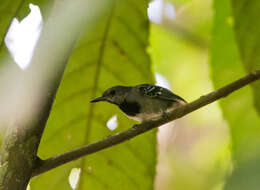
(58, 160)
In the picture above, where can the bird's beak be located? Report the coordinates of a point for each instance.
(98, 99)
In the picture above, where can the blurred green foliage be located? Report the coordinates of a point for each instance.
(18, 9)
(197, 156)
(193, 154)
(247, 37)
(238, 109)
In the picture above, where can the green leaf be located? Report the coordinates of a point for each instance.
(113, 54)
(248, 39)
(44, 5)
(8, 10)
(17, 9)
(237, 108)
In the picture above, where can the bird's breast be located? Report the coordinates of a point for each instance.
(130, 108)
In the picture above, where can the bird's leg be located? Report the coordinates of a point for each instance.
(164, 114)
(38, 161)
(135, 126)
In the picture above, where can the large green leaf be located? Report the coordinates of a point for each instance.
(238, 108)
(248, 39)
(113, 54)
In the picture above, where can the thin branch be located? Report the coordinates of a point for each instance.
(61, 159)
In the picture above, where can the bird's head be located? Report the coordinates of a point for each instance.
(114, 95)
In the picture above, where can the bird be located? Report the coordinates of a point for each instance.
(142, 102)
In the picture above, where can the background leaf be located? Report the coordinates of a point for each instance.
(194, 154)
(193, 151)
(18, 9)
(248, 39)
(112, 54)
(8, 10)
(238, 108)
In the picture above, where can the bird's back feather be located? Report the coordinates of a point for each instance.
(154, 91)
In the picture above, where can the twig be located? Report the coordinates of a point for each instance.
(60, 159)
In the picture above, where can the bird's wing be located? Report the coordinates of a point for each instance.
(154, 91)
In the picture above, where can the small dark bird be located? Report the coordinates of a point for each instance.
(142, 102)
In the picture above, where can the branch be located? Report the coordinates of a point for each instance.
(60, 159)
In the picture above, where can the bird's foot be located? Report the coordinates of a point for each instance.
(165, 115)
(38, 161)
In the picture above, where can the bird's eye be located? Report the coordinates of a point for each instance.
(113, 92)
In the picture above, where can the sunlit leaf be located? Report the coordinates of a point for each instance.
(113, 54)
(237, 108)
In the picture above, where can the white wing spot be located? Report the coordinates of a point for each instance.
(151, 88)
